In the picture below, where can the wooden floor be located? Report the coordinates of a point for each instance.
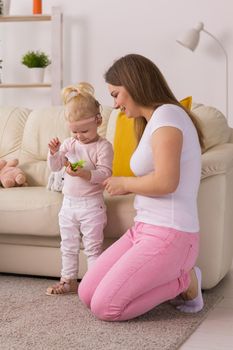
(216, 332)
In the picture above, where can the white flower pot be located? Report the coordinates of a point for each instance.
(5, 7)
(36, 75)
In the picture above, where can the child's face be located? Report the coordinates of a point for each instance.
(84, 131)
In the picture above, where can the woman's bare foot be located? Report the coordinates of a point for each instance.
(193, 301)
(192, 291)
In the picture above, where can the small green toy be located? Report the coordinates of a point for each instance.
(76, 165)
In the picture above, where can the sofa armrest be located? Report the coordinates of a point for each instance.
(217, 160)
(231, 136)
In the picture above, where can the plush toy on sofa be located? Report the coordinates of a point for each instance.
(11, 175)
(56, 180)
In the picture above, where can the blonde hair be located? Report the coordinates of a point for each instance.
(80, 102)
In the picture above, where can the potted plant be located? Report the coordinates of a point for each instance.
(37, 61)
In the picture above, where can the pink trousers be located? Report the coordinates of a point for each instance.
(145, 267)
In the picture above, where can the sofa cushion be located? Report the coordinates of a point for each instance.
(120, 213)
(29, 240)
(42, 125)
(218, 160)
(213, 125)
(12, 124)
(29, 211)
(124, 145)
(110, 132)
(105, 112)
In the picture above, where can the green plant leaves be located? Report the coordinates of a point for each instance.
(34, 59)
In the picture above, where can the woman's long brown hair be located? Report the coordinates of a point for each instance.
(147, 87)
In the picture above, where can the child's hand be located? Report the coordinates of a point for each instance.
(54, 145)
(80, 172)
(77, 165)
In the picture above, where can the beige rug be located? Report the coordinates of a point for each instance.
(31, 320)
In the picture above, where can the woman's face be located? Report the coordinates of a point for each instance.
(124, 101)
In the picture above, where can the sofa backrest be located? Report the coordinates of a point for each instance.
(214, 126)
(12, 123)
(42, 125)
(25, 134)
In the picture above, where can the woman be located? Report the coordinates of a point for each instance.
(153, 261)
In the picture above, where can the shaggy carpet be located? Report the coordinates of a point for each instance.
(31, 320)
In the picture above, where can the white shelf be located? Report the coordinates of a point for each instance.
(56, 52)
(13, 85)
(29, 18)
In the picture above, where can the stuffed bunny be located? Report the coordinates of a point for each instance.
(11, 175)
(56, 180)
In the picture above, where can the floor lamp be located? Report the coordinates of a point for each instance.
(190, 41)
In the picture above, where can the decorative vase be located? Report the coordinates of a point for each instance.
(37, 7)
(36, 75)
(5, 7)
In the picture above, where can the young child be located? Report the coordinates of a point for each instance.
(88, 160)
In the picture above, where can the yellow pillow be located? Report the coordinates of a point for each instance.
(187, 102)
(124, 145)
(125, 142)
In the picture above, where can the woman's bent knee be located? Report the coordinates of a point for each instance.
(84, 295)
(104, 311)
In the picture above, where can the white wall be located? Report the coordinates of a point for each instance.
(98, 31)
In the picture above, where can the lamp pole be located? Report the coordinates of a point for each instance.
(226, 66)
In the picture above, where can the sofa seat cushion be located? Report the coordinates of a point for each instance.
(120, 212)
(218, 160)
(29, 211)
(35, 241)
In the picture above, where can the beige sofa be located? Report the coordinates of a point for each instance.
(29, 231)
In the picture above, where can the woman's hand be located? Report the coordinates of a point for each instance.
(115, 185)
(54, 145)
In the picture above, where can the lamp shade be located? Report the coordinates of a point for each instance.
(191, 38)
(190, 41)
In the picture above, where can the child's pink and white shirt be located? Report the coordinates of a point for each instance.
(98, 157)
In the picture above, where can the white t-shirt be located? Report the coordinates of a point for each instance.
(179, 209)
